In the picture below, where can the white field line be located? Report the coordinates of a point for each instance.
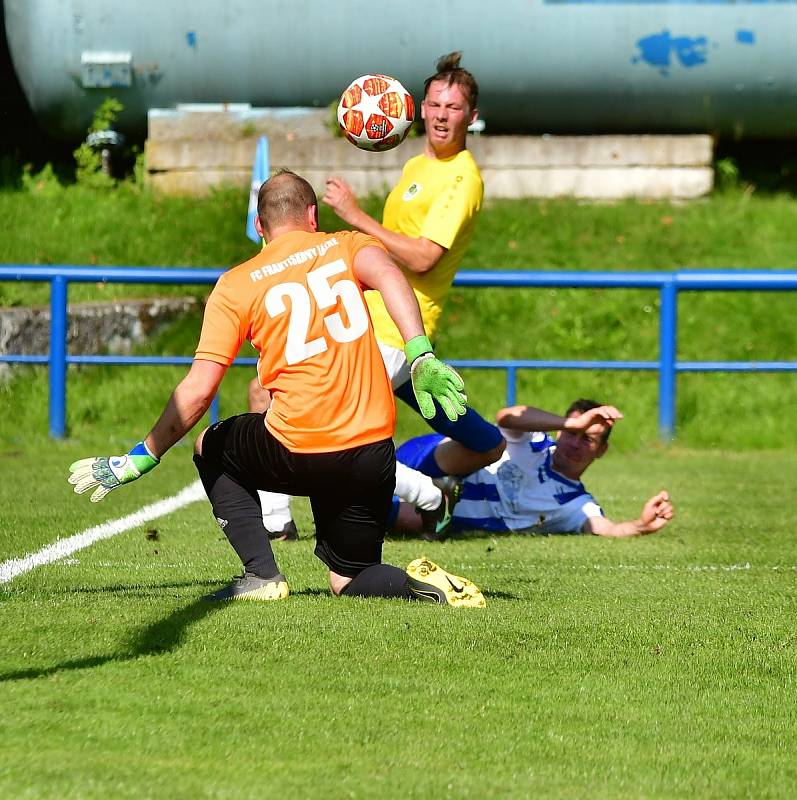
(64, 547)
(746, 567)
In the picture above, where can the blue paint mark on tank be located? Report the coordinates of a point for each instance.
(190, 37)
(691, 52)
(658, 50)
(745, 37)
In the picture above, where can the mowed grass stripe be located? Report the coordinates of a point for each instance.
(591, 672)
(65, 547)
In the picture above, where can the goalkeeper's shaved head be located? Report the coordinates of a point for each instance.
(283, 200)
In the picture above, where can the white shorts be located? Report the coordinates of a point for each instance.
(398, 369)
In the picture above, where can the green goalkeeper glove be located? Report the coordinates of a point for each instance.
(434, 380)
(104, 473)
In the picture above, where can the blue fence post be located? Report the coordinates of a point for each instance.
(667, 355)
(57, 358)
(668, 283)
(214, 409)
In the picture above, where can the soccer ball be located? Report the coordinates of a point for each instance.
(376, 112)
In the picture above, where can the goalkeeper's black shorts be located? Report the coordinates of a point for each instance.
(350, 491)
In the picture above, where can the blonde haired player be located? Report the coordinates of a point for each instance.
(428, 221)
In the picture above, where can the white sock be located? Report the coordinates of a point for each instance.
(276, 510)
(416, 488)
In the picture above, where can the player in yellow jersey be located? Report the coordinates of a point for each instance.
(428, 222)
(328, 432)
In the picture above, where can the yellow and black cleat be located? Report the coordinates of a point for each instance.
(252, 587)
(427, 581)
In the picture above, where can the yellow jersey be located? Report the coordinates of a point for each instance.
(439, 200)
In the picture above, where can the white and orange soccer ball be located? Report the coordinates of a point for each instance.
(376, 112)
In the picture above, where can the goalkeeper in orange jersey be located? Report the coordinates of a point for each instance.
(328, 432)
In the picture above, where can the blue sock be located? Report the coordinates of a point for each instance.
(428, 466)
(392, 515)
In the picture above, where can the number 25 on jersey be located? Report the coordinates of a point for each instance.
(324, 294)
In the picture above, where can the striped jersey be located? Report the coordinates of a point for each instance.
(522, 492)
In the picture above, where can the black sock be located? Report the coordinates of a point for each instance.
(380, 580)
(237, 511)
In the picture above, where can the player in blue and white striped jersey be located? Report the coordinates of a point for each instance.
(535, 487)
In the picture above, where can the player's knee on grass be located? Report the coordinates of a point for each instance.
(338, 583)
(379, 580)
(198, 443)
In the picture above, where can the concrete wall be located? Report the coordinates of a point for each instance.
(92, 327)
(193, 151)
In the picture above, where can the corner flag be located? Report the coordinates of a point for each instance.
(259, 175)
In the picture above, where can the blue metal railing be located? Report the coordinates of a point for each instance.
(669, 285)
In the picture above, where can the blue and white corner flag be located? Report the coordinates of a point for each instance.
(259, 175)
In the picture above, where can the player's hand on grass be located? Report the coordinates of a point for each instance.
(432, 380)
(104, 473)
(656, 513)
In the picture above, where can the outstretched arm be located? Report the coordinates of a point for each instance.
(189, 401)
(187, 405)
(528, 418)
(417, 255)
(656, 513)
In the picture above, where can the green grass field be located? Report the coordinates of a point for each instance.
(735, 230)
(659, 667)
(656, 667)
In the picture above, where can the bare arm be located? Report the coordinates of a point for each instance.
(528, 418)
(656, 513)
(188, 403)
(417, 255)
(376, 270)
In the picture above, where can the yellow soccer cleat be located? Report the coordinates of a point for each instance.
(252, 587)
(427, 581)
